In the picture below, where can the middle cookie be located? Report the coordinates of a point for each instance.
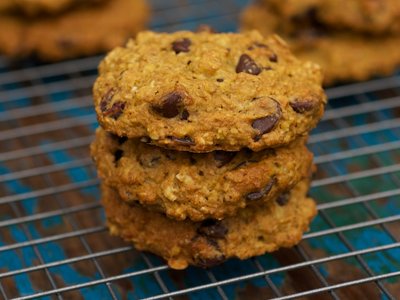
(197, 186)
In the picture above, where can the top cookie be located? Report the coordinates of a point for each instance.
(203, 91)
(369, 16)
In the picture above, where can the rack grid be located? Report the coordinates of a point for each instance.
(53, 242)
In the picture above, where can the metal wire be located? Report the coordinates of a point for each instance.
(46, 125)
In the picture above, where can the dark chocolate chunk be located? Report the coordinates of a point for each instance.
(107, 97)
(170, 105)
(117, 155)
(122, 139)
(302, 106)
(185, 141)
(115, 111)
(182, 45)
(210, 262)
(247, 65)
(223, 157)
(283, 199)
(273, 58)
(265, 125)
(261, 193)
(185, 114)
(212, 229)
(193, 161)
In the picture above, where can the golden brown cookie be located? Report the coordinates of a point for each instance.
(81, 31)
(197, 185)
(33, 8)
(204, 91)
(342, 56)
(253, 231)
(369, 16)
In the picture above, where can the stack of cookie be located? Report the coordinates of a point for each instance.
(202, 144)
(350, 39)
(60, 29)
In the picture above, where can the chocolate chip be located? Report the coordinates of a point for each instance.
(247, 65)
(182, 45)
(210, 262)
(122, 139)
(185, 115)
(262, 193)
(117, 155)
(193, 161)
(273, 58)
(220, 79)
(115, 111)
(265, 125)
(302, 106)
(170, 106)
(283, 199)
(107, 97)
(212, 229)
(223, 157)
(185, 141)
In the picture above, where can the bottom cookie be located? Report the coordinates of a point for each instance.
(253, 231)
(344, 56)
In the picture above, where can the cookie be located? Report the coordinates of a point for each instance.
(81, 31)
(197, 185)
(342, 56)
(253, 231)
(368, 16)
(205, 91)
(33, 8)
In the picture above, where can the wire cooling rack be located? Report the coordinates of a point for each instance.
(53, 242)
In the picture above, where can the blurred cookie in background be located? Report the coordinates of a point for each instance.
(368, 16)
(87, 28)
(345, 55)
(33, 8)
